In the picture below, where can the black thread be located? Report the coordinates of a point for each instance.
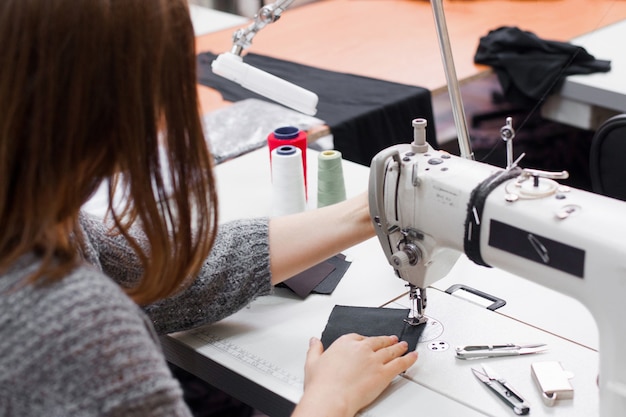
(475, 207)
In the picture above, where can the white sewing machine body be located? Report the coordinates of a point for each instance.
(429, 206)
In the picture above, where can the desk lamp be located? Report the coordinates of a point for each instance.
(230, 65)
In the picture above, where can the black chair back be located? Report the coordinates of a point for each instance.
(607, 159)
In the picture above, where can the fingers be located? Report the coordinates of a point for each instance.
(315, 351)
(315, 347)
(387, 348)
(393, 360)
(402, 363)
(392, 352)
(380, 342)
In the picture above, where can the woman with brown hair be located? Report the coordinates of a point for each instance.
(104, 91)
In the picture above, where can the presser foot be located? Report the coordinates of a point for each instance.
(417, 297)
(416, 321)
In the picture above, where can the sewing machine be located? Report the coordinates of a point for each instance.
(428, 207)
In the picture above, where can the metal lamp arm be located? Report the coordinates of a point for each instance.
(242, 38)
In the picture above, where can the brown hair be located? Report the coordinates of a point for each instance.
(89, 91)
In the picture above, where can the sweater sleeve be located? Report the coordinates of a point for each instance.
(235, 273)
(80, 347)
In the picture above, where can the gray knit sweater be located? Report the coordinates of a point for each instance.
(81, 347)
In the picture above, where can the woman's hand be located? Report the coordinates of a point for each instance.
(350, 374)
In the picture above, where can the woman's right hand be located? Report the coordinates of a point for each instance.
(350, 374)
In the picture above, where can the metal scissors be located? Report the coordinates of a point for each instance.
(494, 351)
(503, 389)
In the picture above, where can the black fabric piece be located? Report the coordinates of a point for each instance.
(328, 285)
(529, 67)
(371, 321)
(303, 283)
(365, 115)
(475, 207)
(311, 280)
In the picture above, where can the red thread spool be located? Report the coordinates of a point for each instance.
(289, 135)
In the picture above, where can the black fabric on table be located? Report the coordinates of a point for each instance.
(365, 115)
(322, 278)
(529, 67)
(371, 321)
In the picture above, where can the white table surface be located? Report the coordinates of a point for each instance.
(587, 100)
(526, 301)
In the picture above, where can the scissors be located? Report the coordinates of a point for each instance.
(495, 351)
(503, 389)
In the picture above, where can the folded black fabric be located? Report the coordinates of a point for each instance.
(529, 67)
(365, 115)
(371, 321)
(322, 278)
(328, 285)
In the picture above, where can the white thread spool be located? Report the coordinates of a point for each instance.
(288, 195)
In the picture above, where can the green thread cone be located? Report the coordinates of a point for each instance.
(331, 187)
